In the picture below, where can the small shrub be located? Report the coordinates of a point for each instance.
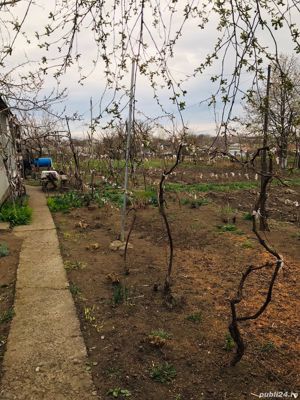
(196, 317)
(7, 316)
(158, 338)
(89, 314)
(120, 294)
(66, 201)
(228, 214)
(247, 244)
(74, 289)
(145, 196)
(161, 334)
(163, 373)
(3, 250)
(73, 265)
(247, 216)
(111, 195)
(227, 228)
(16, 213)
(229, 343)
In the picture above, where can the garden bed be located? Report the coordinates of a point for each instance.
(10, 247)
(142, 347)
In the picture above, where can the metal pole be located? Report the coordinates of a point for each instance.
(264, 163)
(129, 128)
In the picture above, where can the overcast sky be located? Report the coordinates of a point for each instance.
(190, 51)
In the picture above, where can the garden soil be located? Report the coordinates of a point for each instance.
(120, 314)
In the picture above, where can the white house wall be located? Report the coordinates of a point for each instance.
(7, 150)
(4, 185)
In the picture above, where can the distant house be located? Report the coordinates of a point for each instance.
(10, 151)
(236, 150)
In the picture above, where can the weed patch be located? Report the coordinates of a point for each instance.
(210, 187)
(195, 318)
(16, 213)
(161, 334)
(7, 316)
(74, 289)
(247, 244)
(247, 216)
(3, 250)
(163, 373)
(158, 338)
(229, 343)
(230, 228)
(118, 393)
(227, 228)
(73, 265)
(66, 201)
(120, 294)
(109, 194)
(194, 203)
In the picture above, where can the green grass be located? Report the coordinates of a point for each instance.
(115, 196)
(120, 294)
(207, 187)
(113, 371)
(163, 373)
(148, 196)
(195, 317)
(292, 181)
(230, 228)
(17, 213)
(194, 203)
(229, 342)
(65, 201)
(74, 289)
(7, 316)
(247, 244)
(73, 265)
(161, 333)
(247, 216)
(3, 250)
(110, 195)
(227, 228)
(118, 393)
(268, 347)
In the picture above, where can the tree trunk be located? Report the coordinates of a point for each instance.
(283, 154)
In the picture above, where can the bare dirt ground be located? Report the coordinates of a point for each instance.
(8, 275)
(118, 326)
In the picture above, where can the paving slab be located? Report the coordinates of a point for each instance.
(46, 358)
(4, 226)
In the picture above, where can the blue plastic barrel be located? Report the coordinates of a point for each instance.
(43, 162)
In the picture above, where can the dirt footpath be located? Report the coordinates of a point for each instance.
(45, 356)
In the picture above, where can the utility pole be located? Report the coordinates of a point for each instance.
(265, 168)
(129, 129)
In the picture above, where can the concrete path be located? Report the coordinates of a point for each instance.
(46, 356)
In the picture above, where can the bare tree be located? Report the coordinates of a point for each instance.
(284, 106)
